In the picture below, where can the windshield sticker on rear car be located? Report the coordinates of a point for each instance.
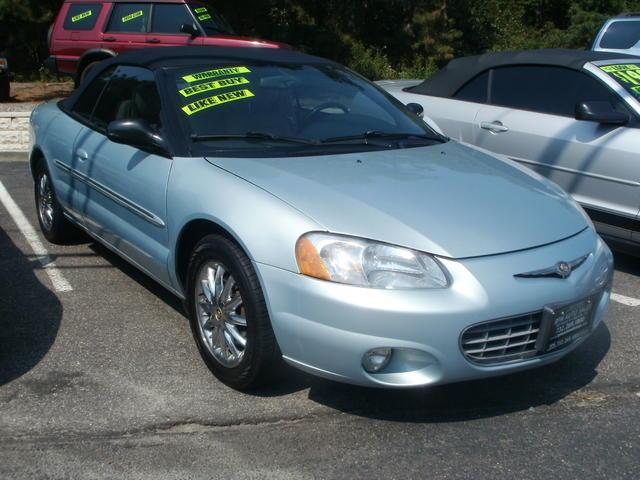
(627, 75)
(216, 100)
(201, 10)
(132, 16)
(219, 72)
(215, 85)
(204, 17)
(81, 16)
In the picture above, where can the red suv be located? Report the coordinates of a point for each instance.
(86, 32)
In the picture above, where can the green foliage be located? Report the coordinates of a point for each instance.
(378, 38)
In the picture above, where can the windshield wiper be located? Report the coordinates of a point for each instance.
(373, 134)
(259, 136)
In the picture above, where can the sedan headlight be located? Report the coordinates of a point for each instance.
(365, 263)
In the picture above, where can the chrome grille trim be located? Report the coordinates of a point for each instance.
(502, 341)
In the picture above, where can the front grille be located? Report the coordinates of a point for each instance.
(502, 341)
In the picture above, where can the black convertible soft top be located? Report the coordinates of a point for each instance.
(458, 72)
(167, 57)
(154, 58)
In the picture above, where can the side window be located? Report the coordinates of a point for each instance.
(82, 16)
(131, 95)
(86, 103)
(129, 18)
(169, 17)
(476, 90)
(621, 35)
(535, 88)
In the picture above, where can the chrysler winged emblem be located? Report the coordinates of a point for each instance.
(559, 270)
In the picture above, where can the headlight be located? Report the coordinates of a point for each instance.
(365, 263)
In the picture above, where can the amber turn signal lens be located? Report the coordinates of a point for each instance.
(309, 260)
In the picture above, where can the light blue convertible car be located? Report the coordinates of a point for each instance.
(302, 213)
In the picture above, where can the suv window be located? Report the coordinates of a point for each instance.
(82, 16)
(86, 103)
(129, 18)
(621, 35)
(212, 22)
(551, 90)
(476, 90)
(169, 17)
(131, 95)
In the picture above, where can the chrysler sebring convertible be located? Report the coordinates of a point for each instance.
(304, 214)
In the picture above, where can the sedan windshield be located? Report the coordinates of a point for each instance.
(627, 75)
(325, 107)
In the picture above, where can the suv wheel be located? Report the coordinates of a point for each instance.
(84, 72)
(4, 89)
(228, 314)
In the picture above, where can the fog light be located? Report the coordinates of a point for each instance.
(376, 359)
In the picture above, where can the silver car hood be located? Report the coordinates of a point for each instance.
(449, 200)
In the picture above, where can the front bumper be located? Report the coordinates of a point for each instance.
(325, 328)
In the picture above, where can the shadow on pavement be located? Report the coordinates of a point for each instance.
(478, 399)
(627, 264)
(30, 313)
(136, 275)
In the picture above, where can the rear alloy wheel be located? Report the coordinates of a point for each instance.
(55, 227)
(228, 315)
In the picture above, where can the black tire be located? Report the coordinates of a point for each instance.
(59, 230)
(5, 89)
(79, 80)
(261, 355)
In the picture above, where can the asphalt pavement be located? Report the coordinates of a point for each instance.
(105, 381)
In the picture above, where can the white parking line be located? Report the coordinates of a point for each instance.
(628, 301)
(60, 284)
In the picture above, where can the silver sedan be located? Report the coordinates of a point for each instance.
(572, 116)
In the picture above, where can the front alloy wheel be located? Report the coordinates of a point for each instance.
(221, 315)
(228, 314)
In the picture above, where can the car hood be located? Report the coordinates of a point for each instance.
(449, 200)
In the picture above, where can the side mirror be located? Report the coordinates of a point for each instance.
(138, 133)
(416, 109)
(600, 112)
(190, 29)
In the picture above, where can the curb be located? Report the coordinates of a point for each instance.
(14, 156)
(14, 126)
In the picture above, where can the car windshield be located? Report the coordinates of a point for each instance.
(211, 21)
(238, 106)
(627, 75)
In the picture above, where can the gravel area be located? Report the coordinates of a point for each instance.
(26, 95)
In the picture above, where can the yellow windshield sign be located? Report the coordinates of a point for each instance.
(215, 85)
(627, 73)
(132, 16)
(201, 10)
(81, 16)
(216, 100)
(204, 17)
(220, 72)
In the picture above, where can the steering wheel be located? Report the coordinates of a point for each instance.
(324, 106)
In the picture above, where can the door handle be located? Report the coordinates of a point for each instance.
(153, 40)
(109, 39)
(494, 127)
(82, 155)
